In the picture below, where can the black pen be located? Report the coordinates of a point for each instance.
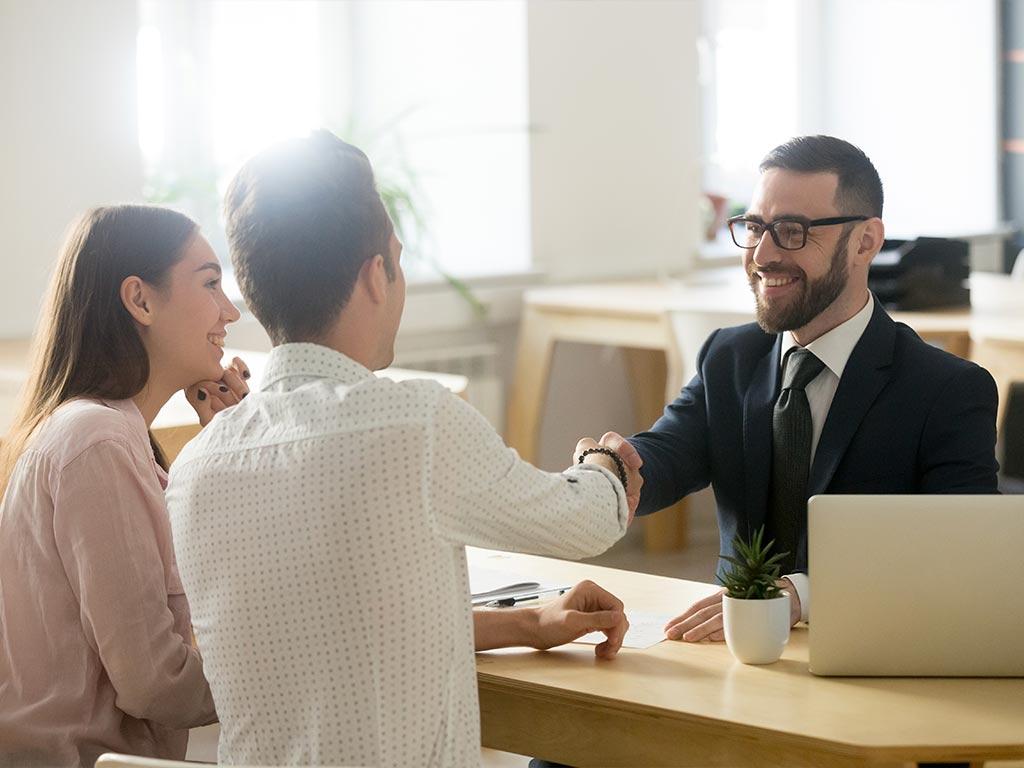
(508, 602)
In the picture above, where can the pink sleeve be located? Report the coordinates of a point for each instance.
(114, 540)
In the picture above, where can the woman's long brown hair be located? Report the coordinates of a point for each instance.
(87, 344)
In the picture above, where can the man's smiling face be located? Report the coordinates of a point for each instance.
(792, 288)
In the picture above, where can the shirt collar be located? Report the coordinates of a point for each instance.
(311, 361)
(835, 347)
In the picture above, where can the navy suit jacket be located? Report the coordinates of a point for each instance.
(906, 418)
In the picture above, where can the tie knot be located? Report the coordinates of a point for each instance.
(801, 367)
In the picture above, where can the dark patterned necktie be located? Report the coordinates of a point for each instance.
(791, 453)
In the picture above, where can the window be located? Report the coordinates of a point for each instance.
(911, 82)
(751, 88)
(434, 92)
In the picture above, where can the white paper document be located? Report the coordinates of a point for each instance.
(489, 587)
(484, 580)
(645, 629)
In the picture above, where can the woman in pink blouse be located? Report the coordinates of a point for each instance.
(95, 651)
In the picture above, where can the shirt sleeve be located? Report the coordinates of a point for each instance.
(675, 449)
(482, 494)
(802, 585)
(110, 520)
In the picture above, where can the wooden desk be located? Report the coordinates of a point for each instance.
(998, 345)
(14, 362)
(637, 318)
(680, 704)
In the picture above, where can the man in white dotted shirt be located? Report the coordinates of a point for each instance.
(320, 525)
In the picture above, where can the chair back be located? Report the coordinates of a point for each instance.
(693, 326)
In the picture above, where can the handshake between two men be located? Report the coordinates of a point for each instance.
(702, 621)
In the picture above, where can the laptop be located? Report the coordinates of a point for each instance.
(916, 585)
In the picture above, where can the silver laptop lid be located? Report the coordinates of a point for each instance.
(916, 585)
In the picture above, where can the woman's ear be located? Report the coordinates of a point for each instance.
(135, 297)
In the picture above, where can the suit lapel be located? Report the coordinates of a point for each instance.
(867, 372)
(757, 435)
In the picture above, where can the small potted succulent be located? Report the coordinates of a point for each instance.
(755, 609)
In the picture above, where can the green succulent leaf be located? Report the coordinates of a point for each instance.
(753, 572)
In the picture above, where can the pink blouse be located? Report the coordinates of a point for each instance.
(94, 625)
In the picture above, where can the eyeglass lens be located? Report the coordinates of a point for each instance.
(788, 234)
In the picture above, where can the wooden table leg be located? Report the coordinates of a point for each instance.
(530, 384)
(647, 371)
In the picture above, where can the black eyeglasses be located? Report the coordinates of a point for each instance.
(788, 234)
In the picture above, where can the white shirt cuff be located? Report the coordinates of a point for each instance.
(803, 590)
(620, 492)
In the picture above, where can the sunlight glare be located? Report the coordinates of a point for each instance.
(150, 62)
(266, 83)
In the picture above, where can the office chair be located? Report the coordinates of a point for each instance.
(692, 328)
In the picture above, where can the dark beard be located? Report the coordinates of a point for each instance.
(816, 298)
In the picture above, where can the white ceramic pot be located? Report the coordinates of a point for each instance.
(756, 631)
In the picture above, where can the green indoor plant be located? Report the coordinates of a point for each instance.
(754, 573)
(755, 609)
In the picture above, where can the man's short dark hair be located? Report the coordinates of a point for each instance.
(859, 192)
(302, 218)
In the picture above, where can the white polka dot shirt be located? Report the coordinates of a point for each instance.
(320, 528)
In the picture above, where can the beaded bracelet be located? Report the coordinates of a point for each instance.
(615, 457)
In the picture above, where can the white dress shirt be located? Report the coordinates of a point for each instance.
(833, 349)
(320, 527)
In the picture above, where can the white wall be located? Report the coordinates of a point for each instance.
(615, 177)
(914, 84)
(614, 153)
(614, 158)
(67, 136)
(452, 79)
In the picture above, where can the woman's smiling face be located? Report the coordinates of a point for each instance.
(190, 315)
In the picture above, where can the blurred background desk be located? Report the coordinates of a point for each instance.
(998, 345)
(660, 327)
(631, 316)
(177, 422)
(691, 704)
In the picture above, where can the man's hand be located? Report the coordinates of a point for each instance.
(630, 459)
(703, 619)
(585, 608)
(211, 397)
